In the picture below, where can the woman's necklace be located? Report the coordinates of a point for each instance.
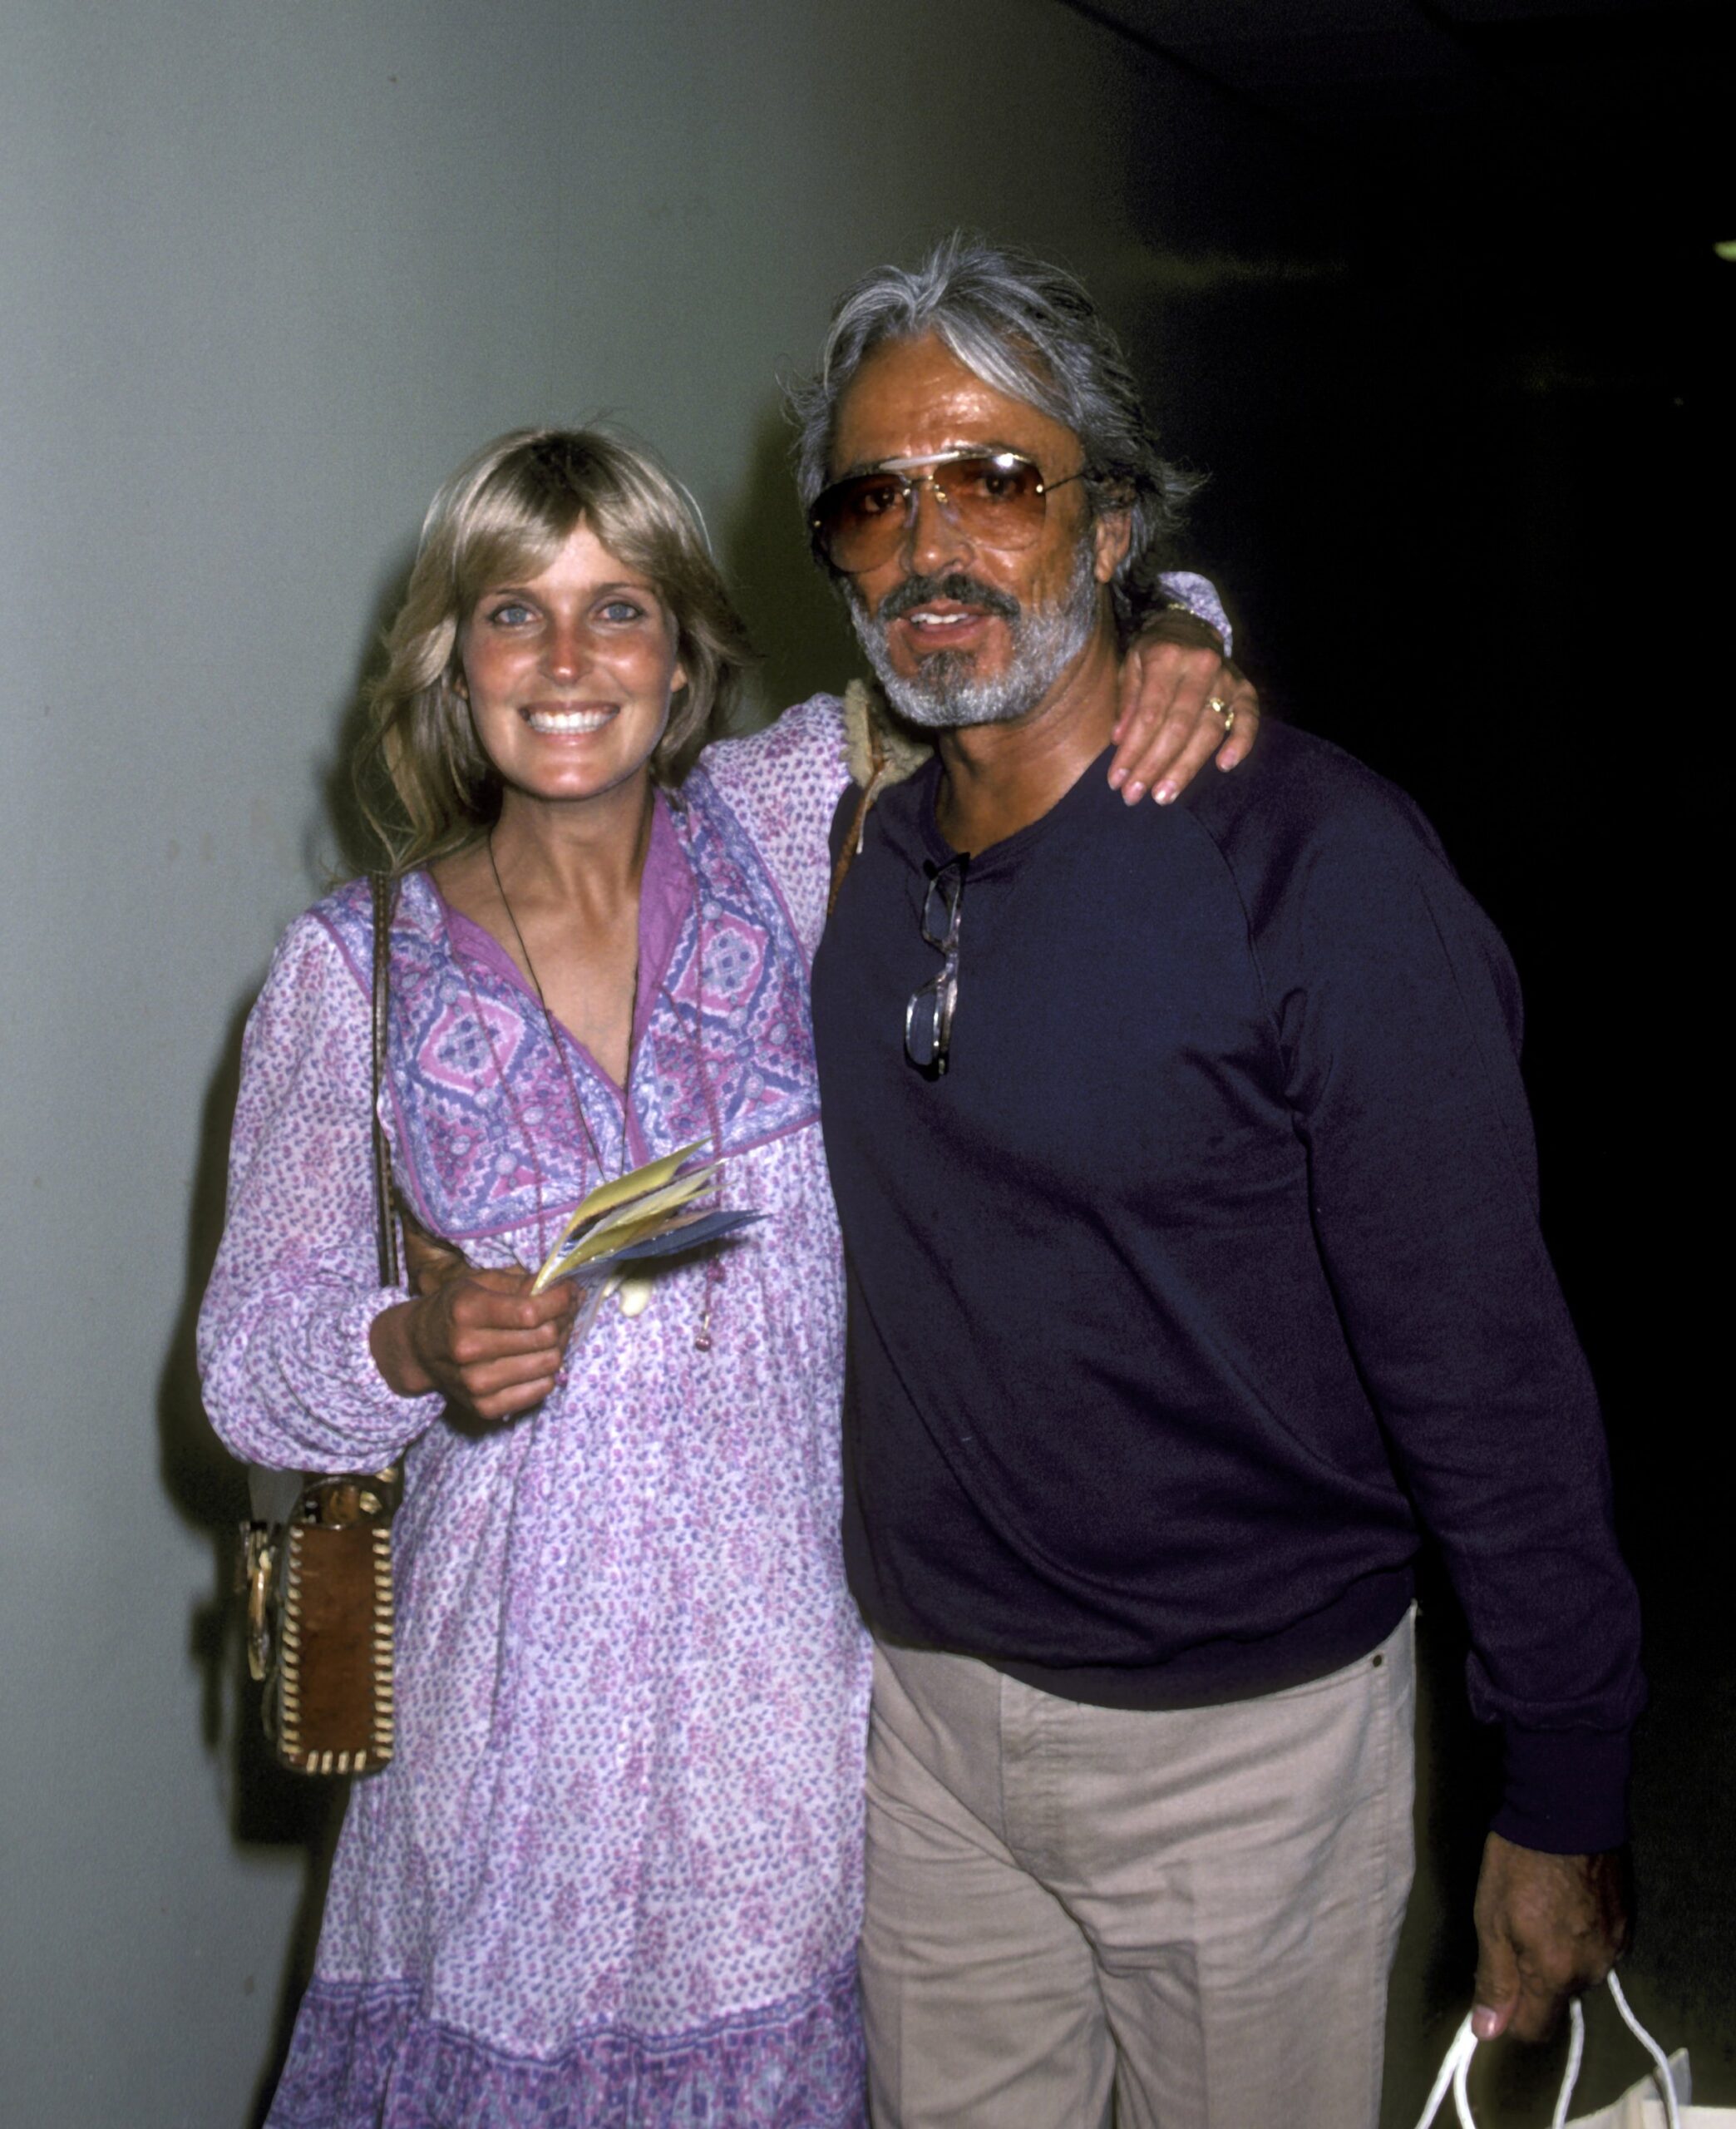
(714, 1275)
(555, 1041)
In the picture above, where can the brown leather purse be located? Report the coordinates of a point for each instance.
(316, 1561)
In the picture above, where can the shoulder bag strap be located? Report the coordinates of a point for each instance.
(381, 887)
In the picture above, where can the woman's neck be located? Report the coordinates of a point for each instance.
(558, 889)
(587, 859)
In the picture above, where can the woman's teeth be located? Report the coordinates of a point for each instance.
(560, 721)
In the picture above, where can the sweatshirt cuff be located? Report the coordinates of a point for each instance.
(1565, 1790)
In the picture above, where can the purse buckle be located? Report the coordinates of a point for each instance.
(259, 1566)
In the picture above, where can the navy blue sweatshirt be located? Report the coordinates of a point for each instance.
(1211, 1271)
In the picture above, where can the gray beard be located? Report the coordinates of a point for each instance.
(946, 693)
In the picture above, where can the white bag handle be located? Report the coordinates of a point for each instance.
(1456, 2066)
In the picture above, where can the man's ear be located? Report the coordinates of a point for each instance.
(1112, 535)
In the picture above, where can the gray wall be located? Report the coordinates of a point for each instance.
(267, 271)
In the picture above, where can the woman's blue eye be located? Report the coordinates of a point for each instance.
(510, 613)
(622, 609)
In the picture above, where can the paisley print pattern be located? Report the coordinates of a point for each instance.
(613, 1874)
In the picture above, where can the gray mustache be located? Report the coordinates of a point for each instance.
(966, 591)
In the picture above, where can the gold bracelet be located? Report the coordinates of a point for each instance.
(1180, 606)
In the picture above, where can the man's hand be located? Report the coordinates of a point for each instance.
(1548, 1927)
(1167, 730)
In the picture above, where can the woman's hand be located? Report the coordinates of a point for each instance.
(429, 1260)
(1172, 672)
(484, 1341)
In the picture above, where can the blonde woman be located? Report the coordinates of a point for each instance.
(613, 1872)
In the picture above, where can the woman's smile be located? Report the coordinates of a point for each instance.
(562, 722)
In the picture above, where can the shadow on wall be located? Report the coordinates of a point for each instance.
(796, 620)
(268, 1808)
(357, 846)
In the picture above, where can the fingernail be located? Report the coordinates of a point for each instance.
(1485, 2024)
(1166, 794)
(1117, 777)
(1134, 793)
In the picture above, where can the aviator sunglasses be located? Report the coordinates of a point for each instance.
(996, 497)
(928, 1016)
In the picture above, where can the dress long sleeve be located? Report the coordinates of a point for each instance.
(290, 1379)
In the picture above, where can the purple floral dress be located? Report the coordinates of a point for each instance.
(613, 1874)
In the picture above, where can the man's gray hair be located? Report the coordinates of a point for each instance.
(1031, 331)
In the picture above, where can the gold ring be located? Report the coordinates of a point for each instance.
(1224, 710)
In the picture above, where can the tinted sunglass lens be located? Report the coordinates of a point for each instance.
(922, 1027)
(942, 902)
(996, 497)
(858, 522)
(1000, 495)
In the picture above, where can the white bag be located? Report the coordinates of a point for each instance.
(1660, 2100)
(1640, 2106)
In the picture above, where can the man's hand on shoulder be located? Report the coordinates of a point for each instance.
(1182, 702)
(1548, 1927)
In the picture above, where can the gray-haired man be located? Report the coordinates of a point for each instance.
(1189, 1205)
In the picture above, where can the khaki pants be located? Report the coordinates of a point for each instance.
(1194, 1912)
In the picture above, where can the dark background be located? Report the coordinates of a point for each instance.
(1467, 428)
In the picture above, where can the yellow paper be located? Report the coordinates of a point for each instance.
(651, 1176)
(606, 1197)
(629, 1226)
(633, 1222)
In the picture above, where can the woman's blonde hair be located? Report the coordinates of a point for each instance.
(423, 782)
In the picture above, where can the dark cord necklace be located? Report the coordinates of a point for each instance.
(713, 1274)
(555, 1043)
